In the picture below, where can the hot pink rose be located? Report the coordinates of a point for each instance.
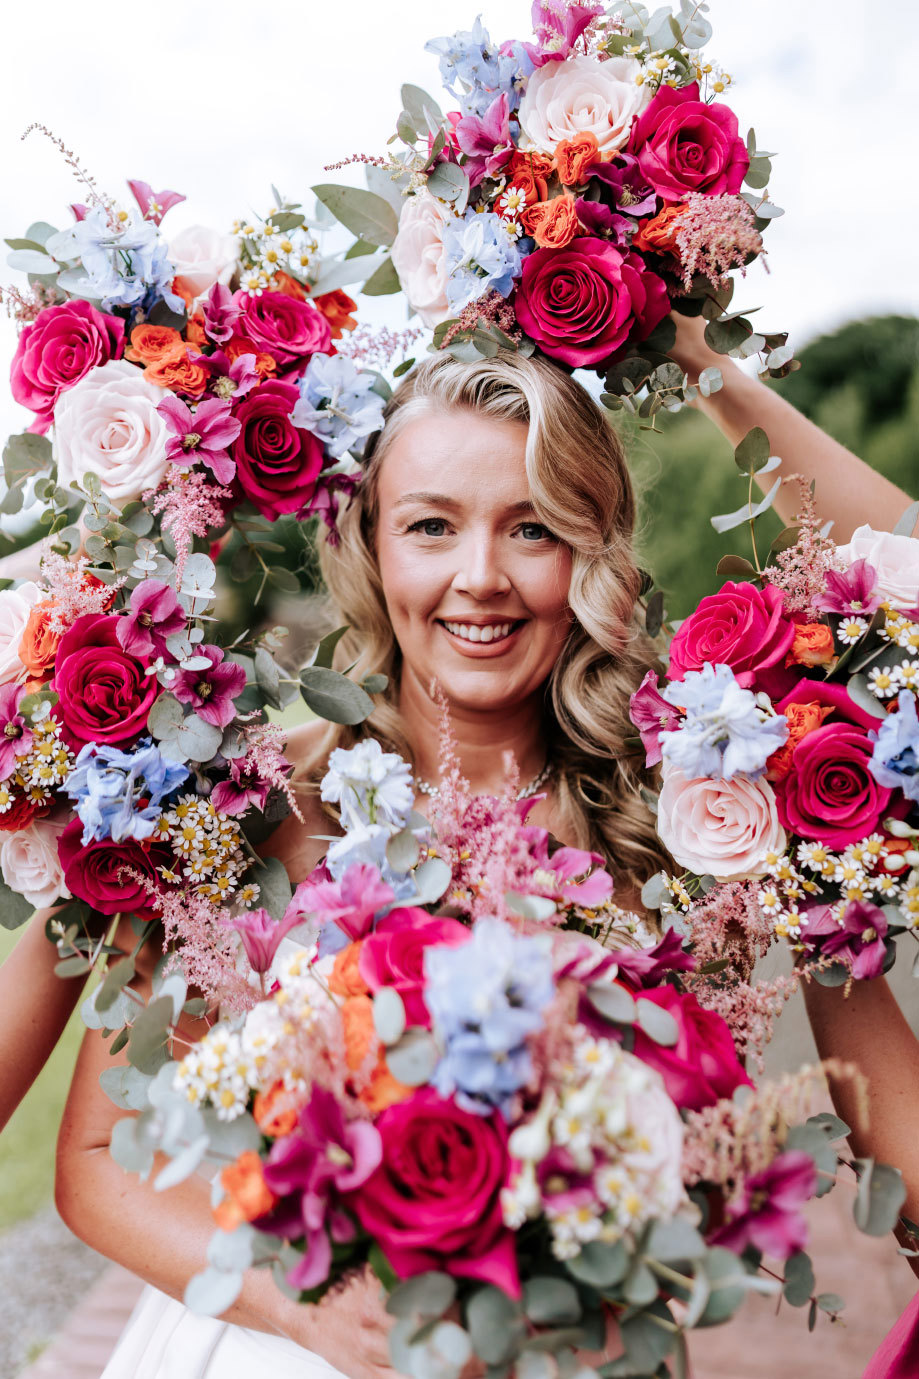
(105, 694)
(702, 1066)
(393, 955)
(282, 326)
(584, 302)
(58, 349)
(684, 145)
(829, 793)
(95, 872)
(277, 465)
(741, 626)
(434, 1202)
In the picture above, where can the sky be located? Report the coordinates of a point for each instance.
(221, 98)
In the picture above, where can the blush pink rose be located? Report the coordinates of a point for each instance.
(277, 464)
(685, 145)
(419, 259)
(741, 626)
(720, 827)
(435, 1200)
(105, 694)
(97, 872)
(58, 349)
(393, 955)
(829, 794)
(583, 303)
(202, 257)
(284, 327)
(702, 1066)
(582, 96)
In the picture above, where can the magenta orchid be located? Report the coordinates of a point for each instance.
(154, 205)
(557, 27)
(652, 715)
(15, 733)
(211, 692)
(852, 594)
(220, 313)
(768, 1212)
(486, 141)
(202, 436)
(154, 614)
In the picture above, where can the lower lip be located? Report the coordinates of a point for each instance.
(482, 650)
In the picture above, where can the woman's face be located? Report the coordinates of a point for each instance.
(476, 587)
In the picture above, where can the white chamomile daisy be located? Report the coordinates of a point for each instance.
(882, 682)
(851, 630)
(907, 673)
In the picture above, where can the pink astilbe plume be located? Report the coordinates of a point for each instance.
(190, 506)
(375, 348)
(490, 310)
(206, 945)
(713, 235)
(800, 572)
(24, 306)
(73, 590)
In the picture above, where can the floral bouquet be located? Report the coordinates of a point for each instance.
(589, 183)
(522, 1132)
(191, 391)
(789, 740)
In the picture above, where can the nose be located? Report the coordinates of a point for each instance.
(480, 572)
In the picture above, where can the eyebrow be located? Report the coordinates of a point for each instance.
(443, 501)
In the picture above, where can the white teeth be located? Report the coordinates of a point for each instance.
(471, 633)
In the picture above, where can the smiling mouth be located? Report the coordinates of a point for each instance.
(493, 632)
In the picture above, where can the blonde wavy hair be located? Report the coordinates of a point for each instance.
(581, 490)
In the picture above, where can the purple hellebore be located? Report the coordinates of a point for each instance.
(323, 1158)
(15, 733)
(243, 788)
(486, 141)
(768, 1215)
(625, 184)
(262, 935)
(652, 715)
(558, 26)
(202, 436)
(598, 219)
(858, 940)
(154, 614)
(220, 313)
(851, 594)
(229, 380)
(211, 692)
(153, 205)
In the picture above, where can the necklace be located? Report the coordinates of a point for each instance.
(524, 793)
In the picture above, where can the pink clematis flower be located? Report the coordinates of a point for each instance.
(851, 594)
(15, 733)
(768, 1214)
(202, 436)
(262, 935)
(211, 692)
(154, 614)
(154, 205)
(652, 715)
(244, 788)
(220, 313)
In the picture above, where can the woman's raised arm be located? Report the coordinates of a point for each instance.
(849, 492)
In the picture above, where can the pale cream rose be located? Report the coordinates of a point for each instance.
(581, 95)
(418, 258)
(896, 559)
(15, 607)
(202, 257)
(108, 424)
(30, 864)
(723, 828)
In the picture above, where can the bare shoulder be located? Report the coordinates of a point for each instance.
(304, 744)
(300, 843)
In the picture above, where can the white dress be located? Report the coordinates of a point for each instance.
(163, 1340)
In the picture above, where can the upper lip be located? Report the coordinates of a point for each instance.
(479, 620)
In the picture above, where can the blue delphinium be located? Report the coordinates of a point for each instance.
(474, 70)
(337, 404)
(480, 257)
(895, 760)
(107, 786)
(122, 263)
(485, 998)
(725, 733)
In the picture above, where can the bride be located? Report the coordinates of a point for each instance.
(490, 546)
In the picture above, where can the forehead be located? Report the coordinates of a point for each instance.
(458, 453)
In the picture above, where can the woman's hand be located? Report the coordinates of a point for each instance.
(349, 1328)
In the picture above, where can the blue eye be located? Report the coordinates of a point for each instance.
(429, 526)
(534, 531)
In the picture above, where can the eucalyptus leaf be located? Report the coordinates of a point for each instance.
(753, 451)
(383, 281)
(599, 1264)
(858, 691)
(907, 521)
(375, 684)
(880, 1195)
(182, 1166)
(268, 677)
(147, 1046)
(413, 1059)
(613, 1002)
(495, 1324)
(536, 907)
(736, 565)
(418, 104)
(646, 1341)
(274, 885)
(427, 1295)
(656, 1022)
(31, 261)
(231, 1250)
(448, 182)
(389, 1015)
(15, 910)
(727, 521)
(431, 880)
(402, 850)
(728, 1285)
(711, 381)
(799, 1279)
(364, 213)
(333, 696)
(551, 1301)
(641, 1286)
(127, 1087)
(325, 651)
(210, 1293)
(127, 1150)
(117, 977)
(672, 1240)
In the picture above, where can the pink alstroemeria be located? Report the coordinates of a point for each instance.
(852, 594)
(858, 940)
(15, 733)
(768, 1214)
(325, 1157)
(221, 313)
(560, 872)
(350, 903)
(652, 715)
(262, 935)
(80, 212)
(211, 692)
(229, 379)
(153, 614)
(487, 141)
(558, 26)
(154, 205)
(244, 788)
(202, 436)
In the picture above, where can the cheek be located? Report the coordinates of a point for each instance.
(544, 586)
(412, 580)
